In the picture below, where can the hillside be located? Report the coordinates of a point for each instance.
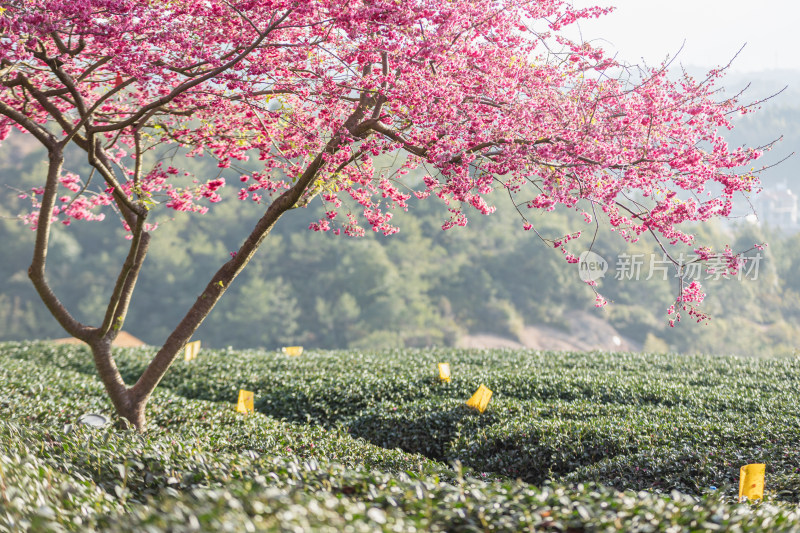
(583, 332)
(421, 287)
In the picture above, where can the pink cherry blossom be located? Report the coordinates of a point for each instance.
(317, 96)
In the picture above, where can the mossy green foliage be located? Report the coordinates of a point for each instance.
(368, 441)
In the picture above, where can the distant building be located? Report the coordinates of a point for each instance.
(777, 207)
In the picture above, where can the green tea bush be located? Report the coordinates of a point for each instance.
(368, 441)
(553, 416)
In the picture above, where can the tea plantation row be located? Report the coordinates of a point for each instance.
(632, 421)
(333, 461)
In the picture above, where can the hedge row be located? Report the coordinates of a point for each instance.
(632, 421)
(202, 467)
(326, 387)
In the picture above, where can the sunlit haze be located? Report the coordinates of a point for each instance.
(713, 31)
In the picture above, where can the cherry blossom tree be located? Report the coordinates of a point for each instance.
(482, 94)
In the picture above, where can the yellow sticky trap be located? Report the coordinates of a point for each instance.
(191, 351)
(751, 482)
(480, 400)
(444, 372)
(245, 404)
(292, 350)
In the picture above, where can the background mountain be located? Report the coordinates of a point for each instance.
(488, 284)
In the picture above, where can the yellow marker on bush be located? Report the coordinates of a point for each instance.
(480, 400)
(751, 482)
(292, 350)
(191, 351)
(444, 372)
(245, 404)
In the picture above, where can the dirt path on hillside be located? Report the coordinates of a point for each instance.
(586, 332)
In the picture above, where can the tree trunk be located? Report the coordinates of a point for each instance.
(128, 405)
(133, 415)
(222, 279)
(130, 402)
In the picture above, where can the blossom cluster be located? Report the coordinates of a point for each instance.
(464, 98)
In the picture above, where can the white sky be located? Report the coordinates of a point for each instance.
(713, 30)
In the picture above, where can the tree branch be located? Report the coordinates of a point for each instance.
(227, 273)
(43, 100)
(191, 83)
(36, 272)
(113, 317)
(44, 136)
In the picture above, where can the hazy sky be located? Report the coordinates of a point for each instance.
(713, 30)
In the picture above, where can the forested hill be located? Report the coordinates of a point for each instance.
(420, 287)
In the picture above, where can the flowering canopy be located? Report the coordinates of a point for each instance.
(485, 94)
(464, 87)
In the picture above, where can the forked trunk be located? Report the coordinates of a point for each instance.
(130, 402)
(129, 405)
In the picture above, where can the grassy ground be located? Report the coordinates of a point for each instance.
(372, 441)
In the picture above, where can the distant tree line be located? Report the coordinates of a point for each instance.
(409, 289)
